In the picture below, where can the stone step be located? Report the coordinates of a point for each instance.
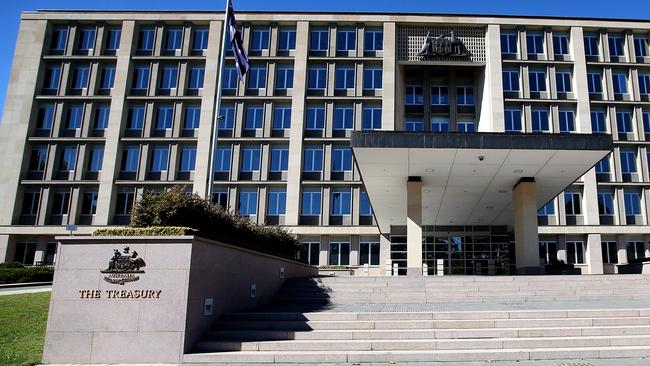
(392, 334)
(419, 355)
(457, 293)
(437, 300)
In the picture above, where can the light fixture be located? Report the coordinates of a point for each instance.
(481, 157)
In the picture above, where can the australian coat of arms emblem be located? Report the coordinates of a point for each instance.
(443, 46)
(123, 267)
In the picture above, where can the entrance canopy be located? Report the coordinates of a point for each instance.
(468, 178)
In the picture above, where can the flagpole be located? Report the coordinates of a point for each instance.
(217, 113)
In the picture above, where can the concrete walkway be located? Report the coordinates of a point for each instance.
(601, 362)
(16, 289)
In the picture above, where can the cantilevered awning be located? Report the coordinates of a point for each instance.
(467, 178)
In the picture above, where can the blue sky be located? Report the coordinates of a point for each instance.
(10, 15)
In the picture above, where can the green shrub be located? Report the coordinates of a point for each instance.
(20, 275)
(174, 208)
(11, 265)
(145, 231)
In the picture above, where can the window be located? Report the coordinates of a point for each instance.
(369, 253)
(572, 203)
(632, 202)
(439, 95)
(141, 78)
(624, 122)
(192, 117)
(535, 43)
(315, 118)
(188, 159)
(610, 251)
(45, 117)
(465, 95)
(228, 121)
(317, 78)
(372, 78)
(371, 118)
(282, 117)
(603, 168)
(466, 126)
(365, 209)
(257, 77)
(567, 124)
(130, 159)
(537, 81)
(346, 39)
(279, 158)
(313, 159)
(616, 45)
(591, 45)
(277, 202)
(260, 40)
(414, 124)
(309, 252)
(540, 120)
(344, 77)
(311, 201)
(341, 204)
(102, 114)
(547, 210)
(619, 81)
(86, 39)
(113, 36)
(594, 83)
(250, 161)
(60, 203)
(284, 78)
(644, 84)
(124, 202)
(628, 161)
(135, 119)
(197, 74)
(247, 205)
(646, 121)
(635, 250)
(439, 124)
(89, 203)
(74, 117)
(146, 39)
(68, 159)
(254, 117)
(52, 78)
(512, 120)
(80, 77)
(339, 254)
(173, 39)
(511, 81)
(169, 77)
(548, 252)
(38, 159)
(222, 159)
(200, 39)
(319, 40)
(96, 159)
(343, 118)
(59, 39)
(640, 47)
(509, 43)
(159, 158)
(575, 252)
(605, 203)
(563, 82)
(220, 196)
(108, 78)
(230, 78)
(31, 201)
(413, 95)
(373, 40)
(164, 116)
(287, 39)
(560, 44)
(341, 159)
(598, 122)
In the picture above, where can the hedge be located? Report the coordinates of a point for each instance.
(146, 231)
(20, 275)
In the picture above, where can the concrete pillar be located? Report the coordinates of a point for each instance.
(581, 91)
(384, 252)
(4, 248)
(41, 248)
(414, 226)
(323, 256)
(389, 93)
(526, 236)
(354, 250)
(491, 113)
(621, 249)
(594, 255)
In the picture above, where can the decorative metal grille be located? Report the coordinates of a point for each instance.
(411, 37)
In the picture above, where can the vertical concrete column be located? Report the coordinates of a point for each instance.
(112, 153)
(414, 226)
(41, 247)
(524, 204)
(590, 194)
(384, 252)
(594, 254)
(561, 248)
(297, 125)
(323, 259)
(4, 248)
(492, 115)
(388, 115)
(580, 88)
(621, 249)
(354, 250)
(208, 113)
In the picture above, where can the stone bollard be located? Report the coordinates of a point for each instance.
(440, 270)
(425, 269)
(395, 269)
(388, 268)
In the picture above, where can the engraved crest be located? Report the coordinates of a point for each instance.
(443, 46)
(122, 267)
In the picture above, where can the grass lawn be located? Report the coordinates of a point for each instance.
(22, 328)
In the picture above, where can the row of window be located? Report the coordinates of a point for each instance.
(575, 251)
(439, 95)
(632, 199)
(339, 250)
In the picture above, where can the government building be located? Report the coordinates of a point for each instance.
(391, 144)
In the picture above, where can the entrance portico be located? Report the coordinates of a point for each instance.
(455, 179)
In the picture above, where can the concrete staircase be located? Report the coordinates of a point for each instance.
(399, 319)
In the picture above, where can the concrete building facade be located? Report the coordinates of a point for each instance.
(102, 106)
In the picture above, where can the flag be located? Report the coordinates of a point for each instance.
(241, 60)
